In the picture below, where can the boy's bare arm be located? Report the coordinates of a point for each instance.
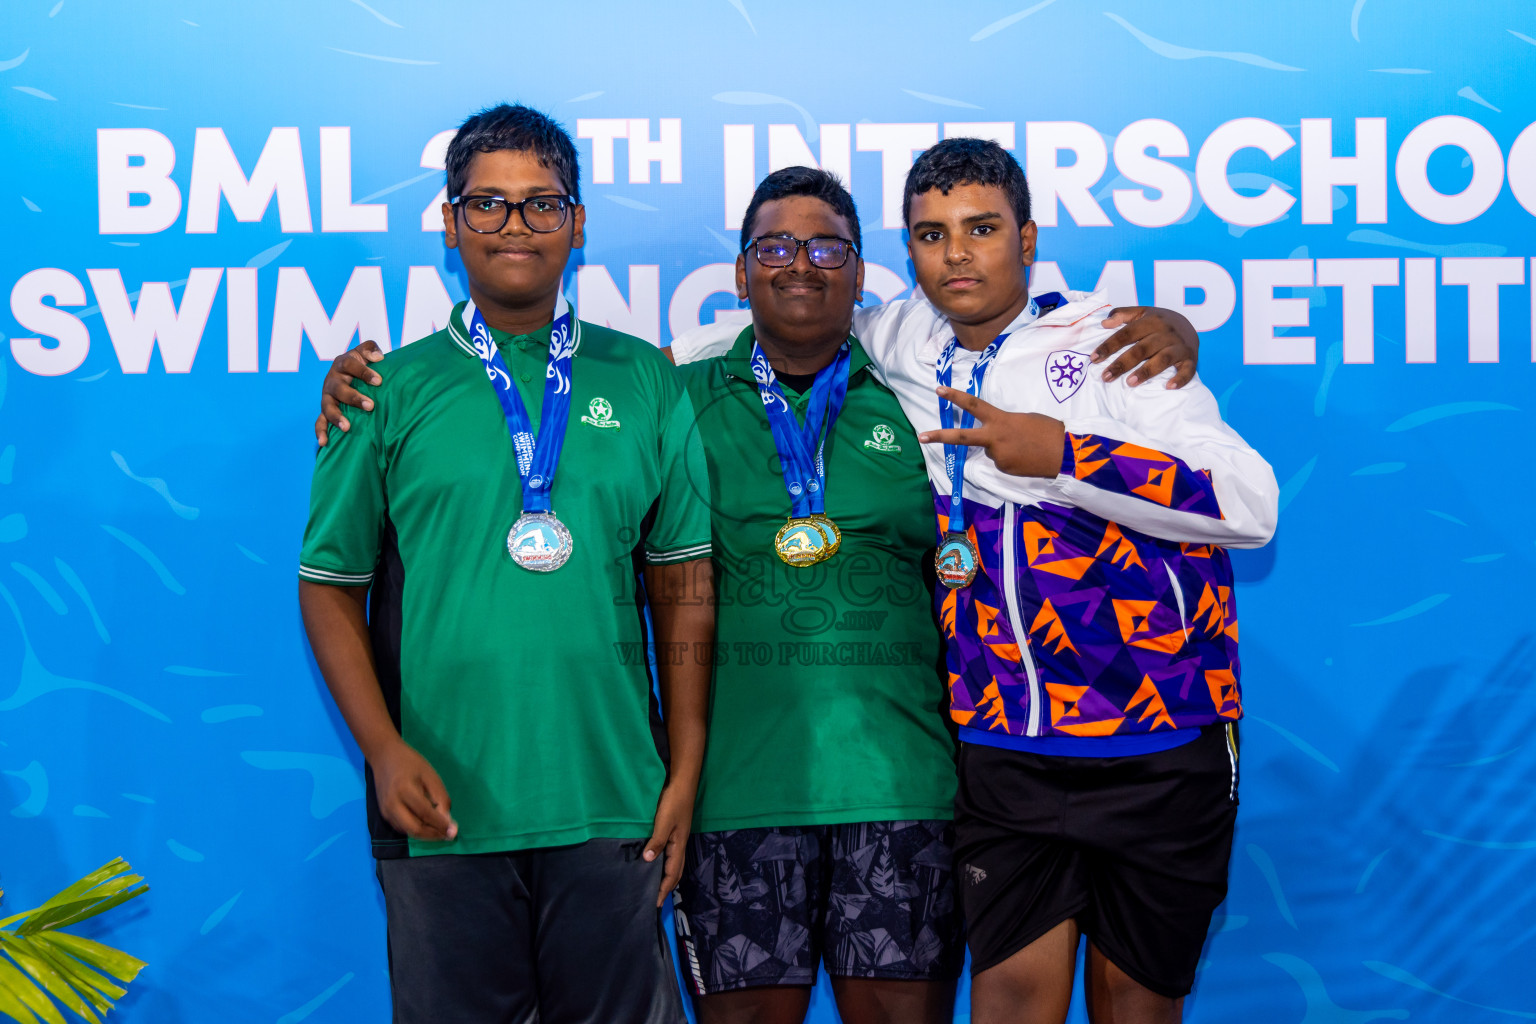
(411, 796)
(682, 602)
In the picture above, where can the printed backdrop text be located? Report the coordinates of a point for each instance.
(203, 203)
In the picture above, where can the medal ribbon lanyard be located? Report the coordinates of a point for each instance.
(537, 458)
(800, 448)
(954, 454)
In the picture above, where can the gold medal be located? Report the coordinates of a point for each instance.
(807, 540)
(956, 562)
(833, 534)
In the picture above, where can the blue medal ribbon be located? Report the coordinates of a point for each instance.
(801, 448)
(954, 454)
(537, 457)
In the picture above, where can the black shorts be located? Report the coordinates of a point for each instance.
(559, 935)
(1135, 848)
(765, 906)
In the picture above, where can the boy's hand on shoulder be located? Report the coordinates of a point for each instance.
(1019, 443)
(1158, 338)
(669, 834)
(337, 390)
(411, 795)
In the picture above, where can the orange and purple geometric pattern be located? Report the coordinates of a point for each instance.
(1127, 633)
(1145, 473)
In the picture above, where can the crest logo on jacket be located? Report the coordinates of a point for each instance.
(1065, 372)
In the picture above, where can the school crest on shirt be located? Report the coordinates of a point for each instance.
(1065, 372)
(600, 414)
(883, 439)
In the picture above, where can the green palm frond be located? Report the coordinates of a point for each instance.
(40, 964)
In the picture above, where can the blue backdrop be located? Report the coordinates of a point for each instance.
(157, 699)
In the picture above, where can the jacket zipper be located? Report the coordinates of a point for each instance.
(1178, 596)
(1015, 619)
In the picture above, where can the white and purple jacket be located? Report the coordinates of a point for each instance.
(1104, 603)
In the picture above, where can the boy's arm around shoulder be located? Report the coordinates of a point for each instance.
(881, 328)
(346, 502)
(1164, 462)
(876, 327)
(703, 342)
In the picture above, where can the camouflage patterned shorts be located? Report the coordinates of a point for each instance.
(763, 906)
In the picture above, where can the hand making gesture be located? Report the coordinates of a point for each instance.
(1019, 443)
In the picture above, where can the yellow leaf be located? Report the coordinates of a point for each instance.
(26, 992)
(44, 972)
(114, 961)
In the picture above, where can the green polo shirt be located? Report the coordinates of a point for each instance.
(528, 692)
(828, 694)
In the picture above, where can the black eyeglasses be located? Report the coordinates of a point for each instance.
(781, 250)
(489, 214)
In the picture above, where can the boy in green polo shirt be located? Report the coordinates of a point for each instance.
(823, 827)
(527, 819)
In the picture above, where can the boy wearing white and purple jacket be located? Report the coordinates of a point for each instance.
(1087, 604)
(1093, 658)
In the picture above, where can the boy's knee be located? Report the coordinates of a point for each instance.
(1114, 997)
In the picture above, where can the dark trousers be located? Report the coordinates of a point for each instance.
(561, 935)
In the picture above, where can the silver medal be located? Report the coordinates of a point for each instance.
(539, 542)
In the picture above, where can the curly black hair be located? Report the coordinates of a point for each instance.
(967, 162)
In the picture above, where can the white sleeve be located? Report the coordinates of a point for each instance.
(875, 327)
(705, 342)
(1165, 463)
(879, 329)
(867, 320)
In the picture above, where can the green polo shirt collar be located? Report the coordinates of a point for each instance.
(537, 339)
(738, 361)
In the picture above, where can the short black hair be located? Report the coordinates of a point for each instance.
(802, 181)
(518, 128)
(967, 162)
